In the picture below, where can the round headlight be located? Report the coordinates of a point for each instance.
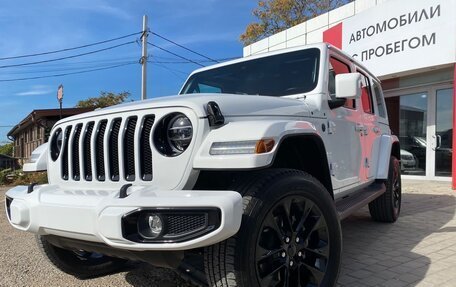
(56, 144)
(180, 132)
(173, 134)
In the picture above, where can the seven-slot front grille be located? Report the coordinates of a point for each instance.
(93, 150)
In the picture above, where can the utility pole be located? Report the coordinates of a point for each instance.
(144, 59)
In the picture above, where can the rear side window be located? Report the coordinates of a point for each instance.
(379, 99)
(366, 94)
(337, 67)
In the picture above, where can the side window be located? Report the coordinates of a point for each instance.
(337, 67)
(203, 88)
(366, 95)
(209, 89)
(380, 100)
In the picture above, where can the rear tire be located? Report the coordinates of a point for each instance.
(290, 235)
(80, 264)
(387, 207)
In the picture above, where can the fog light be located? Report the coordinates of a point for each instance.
(150, 225)
(155, 224)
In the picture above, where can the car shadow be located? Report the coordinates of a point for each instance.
(146, 275)
(378, 254)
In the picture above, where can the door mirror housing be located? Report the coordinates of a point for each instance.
(348, 86)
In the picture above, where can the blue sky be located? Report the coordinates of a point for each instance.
(211, 27)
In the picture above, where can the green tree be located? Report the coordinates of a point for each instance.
(275, 16)
(7, 149)
(105, 99)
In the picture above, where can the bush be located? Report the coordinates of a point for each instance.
(32, 177)
(9, 177)
(4, 176)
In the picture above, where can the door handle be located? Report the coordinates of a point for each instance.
(359, 127)
(438, 143)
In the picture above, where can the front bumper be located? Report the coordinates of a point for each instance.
(96, 215)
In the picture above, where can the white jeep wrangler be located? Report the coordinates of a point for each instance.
(241, 180)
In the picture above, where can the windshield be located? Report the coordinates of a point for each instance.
(278, 75)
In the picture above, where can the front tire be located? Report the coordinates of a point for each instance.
(80, 264)
(290, 235)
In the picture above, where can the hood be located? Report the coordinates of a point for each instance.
(230, 105)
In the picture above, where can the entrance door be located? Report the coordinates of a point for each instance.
(413, 111)
(443, 137)
(423, 120)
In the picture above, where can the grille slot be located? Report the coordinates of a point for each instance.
(145, 148)
(75, 159)
(65, 172)
(88, 151)
(99, 151)
(129, 148)
(183, 224)
(114, 149)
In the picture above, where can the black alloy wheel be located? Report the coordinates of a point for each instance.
(396, 185)
(293, 246)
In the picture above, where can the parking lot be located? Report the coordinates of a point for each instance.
(418, 250)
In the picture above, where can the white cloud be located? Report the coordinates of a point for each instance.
(36, 90)
(96, 6)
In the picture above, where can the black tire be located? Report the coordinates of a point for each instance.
(387, 207)
(80, 264)
(299, 206)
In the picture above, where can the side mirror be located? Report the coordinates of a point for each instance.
(348, 86)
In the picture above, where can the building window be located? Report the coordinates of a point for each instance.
(38, 133)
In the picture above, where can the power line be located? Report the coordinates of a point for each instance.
(69, 49)
(174, 54)
(175, 70)
(183, 47)
(67, 57)
(170, 60)
(64, 64)
(170, 70)
(65, 69)
(66, 74)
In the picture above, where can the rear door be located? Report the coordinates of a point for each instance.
(375, 122)
(369, 131)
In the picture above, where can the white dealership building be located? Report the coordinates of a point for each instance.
(411, 46)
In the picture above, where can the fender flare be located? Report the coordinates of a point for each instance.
(386, 149)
